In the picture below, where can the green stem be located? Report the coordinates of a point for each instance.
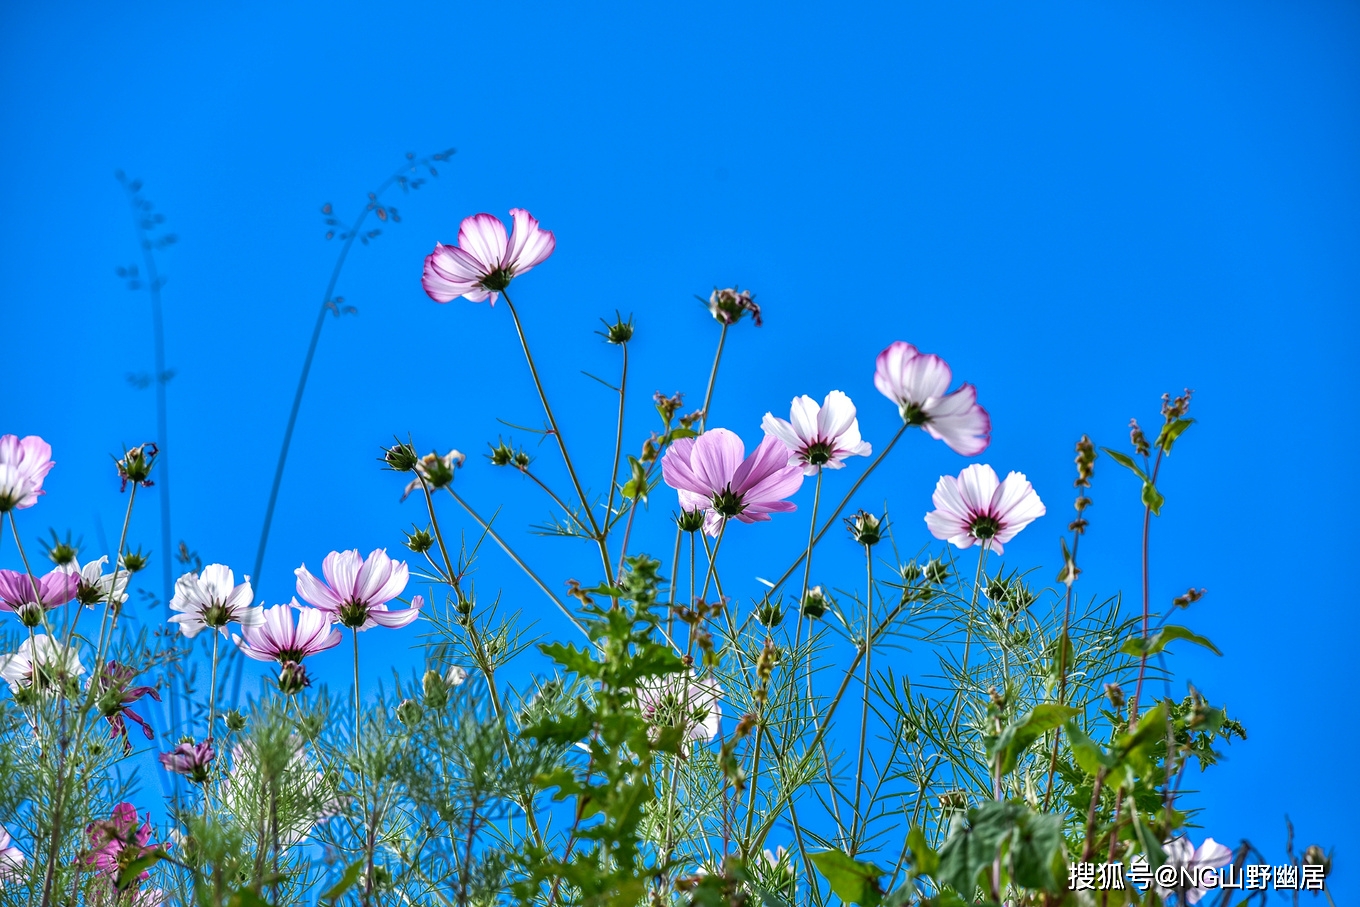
(212, 688)
(367, 893)
(713, 379)
(557, 435)
(968, 639)
(864, 712)
(618, 440)
(807, 566)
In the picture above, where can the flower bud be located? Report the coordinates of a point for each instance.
(911, 572)
(770, 614)
(690, 520)
(997, 589)
(1314, 856)
(409, 712)
(814, 603)
(455, 676)
(865, 528)
(435, 690)
(235, 721)
(937, 572)
(293, 678)
(1116, 695)
(730, 305)
(419, 541)
(60, 552)
(135, 561)
(135, 467)
(620, 332)
(401, 457)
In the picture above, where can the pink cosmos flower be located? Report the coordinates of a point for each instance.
(818, 436)
(684, 701)
(23, 466)
(710, 475)
(54, 589)
(1190, 863)
(485, 259)
(919, 385)
(116, 696)
(191, 760)
(357, 589)
(119, 841)
(977, 509)
(279, 639)
(213, 599)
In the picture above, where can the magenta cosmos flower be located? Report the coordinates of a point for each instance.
(23, 466)
(683, 701)
(17, 593)
(119, 841)
(279, 639)
(976, 509)
(357, 589)
(818, 436)
(485, 259)
(710, 474)
(919, 385)
(116, 694)
(193, 760)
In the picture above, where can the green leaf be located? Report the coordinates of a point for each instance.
(1016, 738)
(1126, 461)
(573, 659)
(128, 875)
(244, 897)
(1138, 646)
(676, 434)
(1037, 855)
(1090, 757)
(347, 881)
(925, 860)
(854, 882)
(1152, 498)
(635, 488)
(1171, 431)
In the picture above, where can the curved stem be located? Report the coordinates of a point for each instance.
(557, 435)
(713, 378)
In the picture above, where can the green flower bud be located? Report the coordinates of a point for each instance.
(409, 712)
(419, 541)
(814, 603)
(401, 457)
(865, 528)
(690, 520)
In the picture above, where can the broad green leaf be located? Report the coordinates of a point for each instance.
(128, 875)
(573, 659)
(347, 881)
(1037, 856)
(636, 487)
(244, 897)
(854, 882)
(1090, 757)
(1126, 461)
(1158, 641)
(1017, 737)
(676, 434)
(925, 861)
(1171, 431)
(1153, 499)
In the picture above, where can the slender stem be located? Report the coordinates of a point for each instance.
(835, 513)
(363, 776)
(968, 639)
(1062, 670)
(864, 712)
(571, 514)
(713, 378)
(618, 443)
(807, 565)
(486, 527)
(755, 783)
(1147, 529)
(212, 689)
(557, 435)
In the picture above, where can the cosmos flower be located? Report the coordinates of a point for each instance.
(23, 466)
(119, 841)
(976, 509)
(190, 759)
(11, 859)
(41, 664)
(357, 589)
(95, 587)
(818, 436)
(710, 474)
(212, 599)
(1190, 863)
(116, 696)
(485, 260)
(278, 638)
(682, 701)
(434, 470)
(919, 385)
(53, 589)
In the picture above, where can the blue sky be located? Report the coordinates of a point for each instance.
(1079, 206)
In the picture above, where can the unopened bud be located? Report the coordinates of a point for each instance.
(135, 466)
(730, 305)
(937, 572)
(865, 528)
(814, 603)
(1115, 693)
(293, 678)
(690, 520)
(620, 332)
(770, 614)
(234, 720)
(419, 541)
(409, 712)
(135, 561)
(401, 457)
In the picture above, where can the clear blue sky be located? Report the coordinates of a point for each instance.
(1079, 205)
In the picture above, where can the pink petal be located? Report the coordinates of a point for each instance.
(836, 417)
(677, 471)
(976, 485)
(483, 238)
(315, 592)
(803, 417)
(716, 456)
(529, 245)
(341, 569)
(384, 581)
(959, 422)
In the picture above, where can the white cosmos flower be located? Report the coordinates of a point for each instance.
(976, 509)
(818, 436)
(213, 599)
(40, 659)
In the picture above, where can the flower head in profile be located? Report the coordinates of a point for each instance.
(919, 384)
(119, 841)
(24, 463)
(192, 760)
(485, 260)
(731, 305)
(42, 665)
(11, 859)
(976, 509)
(18, 593)
(95, 587)
(682, 701)
(1190, 862)
(279, 638)
(434, 471)
(115, 695)
(819, 436)
(357, 589)
(213, 599)
(710, 474)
